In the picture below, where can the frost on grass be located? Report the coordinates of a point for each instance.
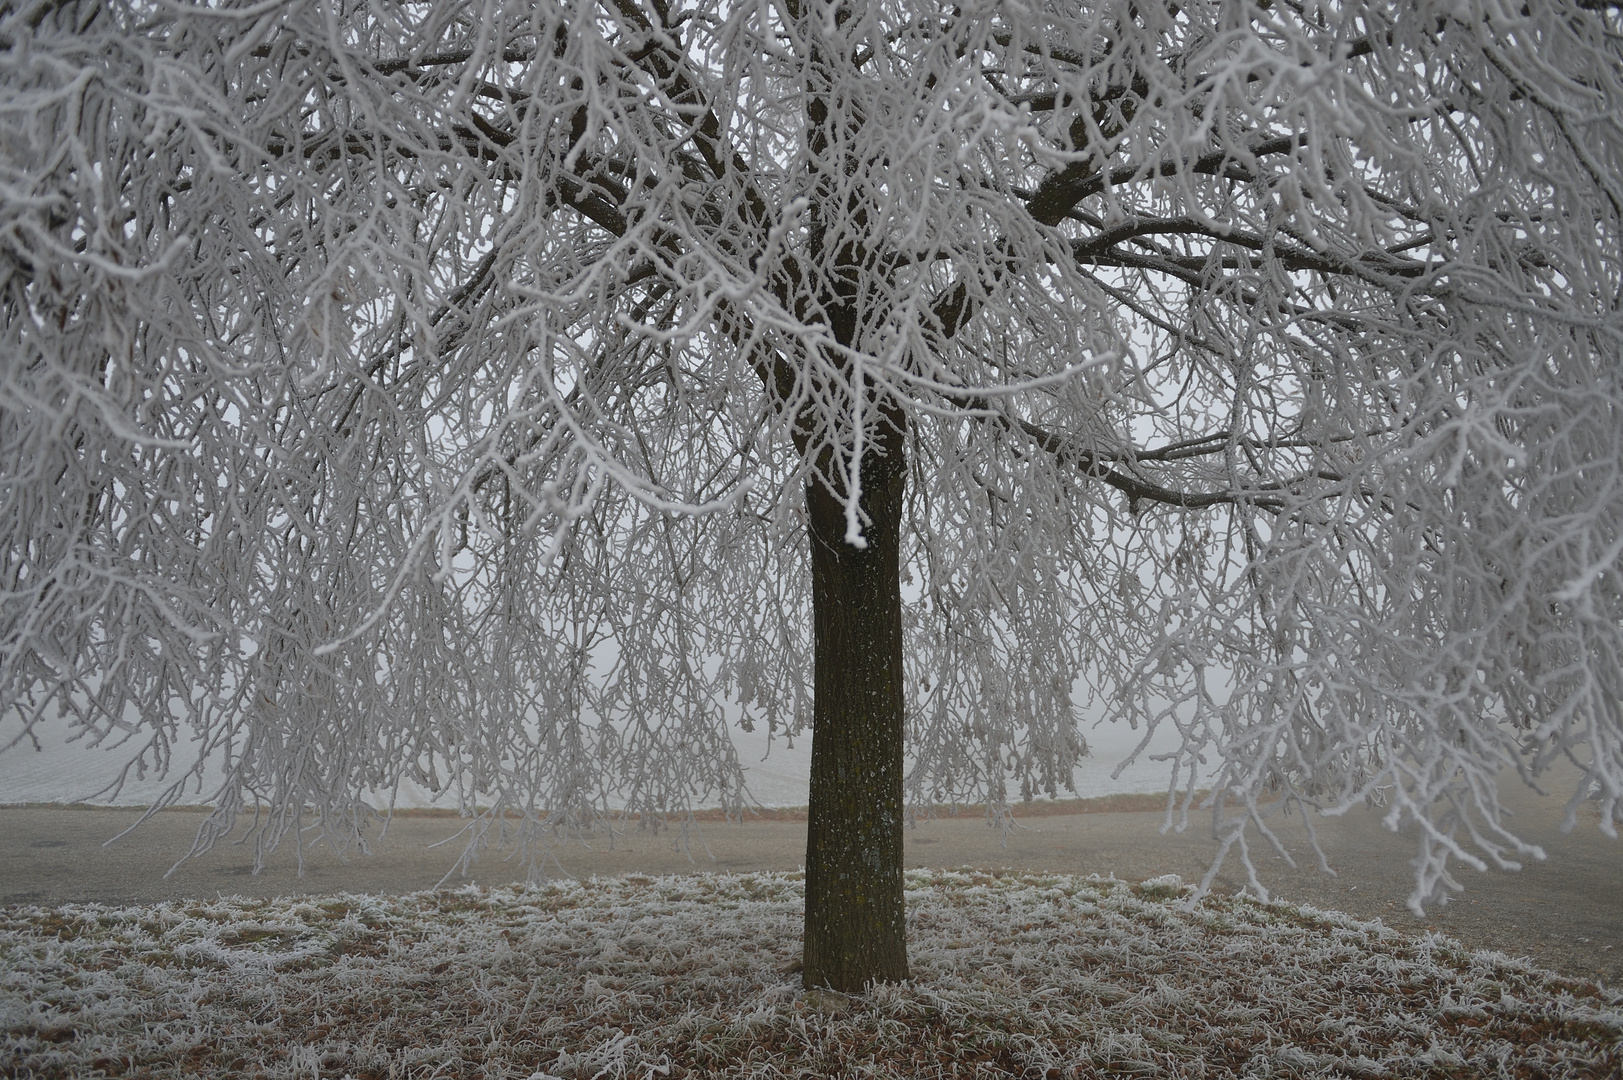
(1018, 975)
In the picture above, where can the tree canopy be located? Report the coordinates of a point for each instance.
(446, 390)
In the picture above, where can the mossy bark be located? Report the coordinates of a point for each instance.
(856, 931)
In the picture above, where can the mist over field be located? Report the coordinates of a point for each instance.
(777, 772)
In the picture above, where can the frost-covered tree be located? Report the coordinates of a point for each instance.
(485, 392)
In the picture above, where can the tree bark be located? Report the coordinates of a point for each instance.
(856, 927)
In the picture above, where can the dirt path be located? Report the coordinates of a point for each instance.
(1565, 913)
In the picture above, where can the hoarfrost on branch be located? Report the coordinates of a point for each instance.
(430, 389)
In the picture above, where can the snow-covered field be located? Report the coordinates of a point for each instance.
(1040, 976)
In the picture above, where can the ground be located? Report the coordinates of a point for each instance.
(1040, 975)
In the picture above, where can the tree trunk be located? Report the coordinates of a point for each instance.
(856, 931)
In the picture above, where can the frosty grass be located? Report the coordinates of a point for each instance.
(1013, 975)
